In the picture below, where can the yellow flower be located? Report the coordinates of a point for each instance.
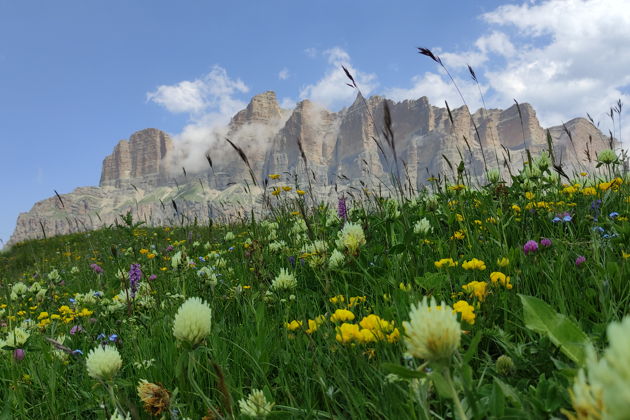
(457, 187)
(474, 264)
(346, 333)
(477, 288)
(405, 287)
(337, 299)
(448, 262)
(287, 188)
(300, 192)
(42, 315)
(625, 255)
(459, 217)
(589, 191)
(274, 176)
(529, 195)
(84, 312)
(394, 336)
(516, 208)
(151, 256)
(501, 278)
(293, 325)
(467, 311)
(503, 262)
(459, 234)
(342, 315)
(355, 300)
(313, 324)
(583, 173)
(276, 191)
(55, 316)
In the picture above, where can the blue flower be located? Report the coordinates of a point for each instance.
(567, 218)
(598, 229)
(72, 300)
(77, 351)
(101, 336)
(113, 337)
(613, 215)
(231, 248)
(556, 219)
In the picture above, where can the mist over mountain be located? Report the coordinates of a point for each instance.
(162, 181)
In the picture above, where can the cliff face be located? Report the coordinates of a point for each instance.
(338, 149)
(138, 160)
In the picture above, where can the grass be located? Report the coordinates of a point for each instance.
(317, 374)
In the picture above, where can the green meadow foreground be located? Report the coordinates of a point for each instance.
(498, 301)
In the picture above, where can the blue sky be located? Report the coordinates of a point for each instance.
(77, 76)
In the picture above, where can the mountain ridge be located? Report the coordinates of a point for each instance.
(145, 174)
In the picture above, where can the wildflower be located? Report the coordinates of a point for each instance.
(504, 365)
(192, 321)
(589, 191)
(502, 279)
(18, 355)
(503, 262)
(274, 176)
(135, 274)
(529, 195)
(459, 235)
(546, 242)
(342, 211)
(155, 397)
(342, 315)
(580, 260)
(17, 337)
(103, 362)
(293, 325)
(96, 268)
(313, 324)
(457, 187)
(448, 262)
(256, 405)
(347, 333)
(422, 227)
(474, 264)
(337, 299)
(117, 415)
(479, 289)
(530, 246)
(336, 259)
(351, 237)
(433, 332)
(284, 281)
(607, 157)
(229, 236)
(467, 311)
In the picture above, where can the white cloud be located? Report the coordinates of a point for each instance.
(331, 90)
(215, 90)
(283, 74)
(565, 57)
(311, 52)
(287, 103)
(438, 89)
(210, 101)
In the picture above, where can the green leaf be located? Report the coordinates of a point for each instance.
(541, 318)
(402, 371)
(472, 348)
(441, 385)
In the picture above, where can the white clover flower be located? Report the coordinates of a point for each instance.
(74, 270)
(54, 275)
(351, 237)
(207, 274)
(255, 405)
(35, 287)
(118, 416)
(316, 253)
(336, 259)
(494, 175)
(433, 332)
(229, 236)
(17, 337)
(103, 362)
(612, 373)
(298, 227)
(277, 246)
(176, 259)
(284, 281)
(19, 289)
(606, 157)
(422, 227)
(192, 321)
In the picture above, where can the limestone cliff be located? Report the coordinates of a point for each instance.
(338, 150)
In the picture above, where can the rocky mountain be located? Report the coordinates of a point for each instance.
(309, 144)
